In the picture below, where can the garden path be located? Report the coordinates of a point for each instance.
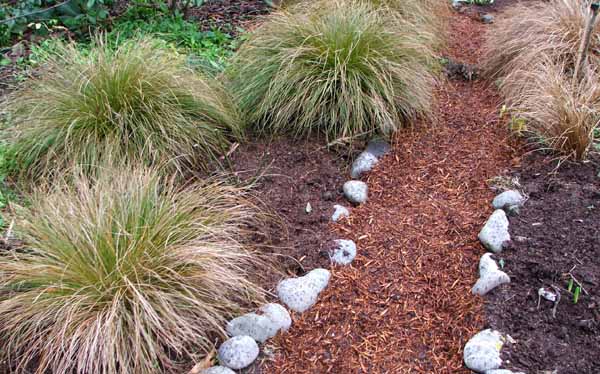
(405, 306)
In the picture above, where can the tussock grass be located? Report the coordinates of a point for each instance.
(125, 274)
(345, 69)
(528, 31)
(138, 102)
(560, 114)
(532, 51)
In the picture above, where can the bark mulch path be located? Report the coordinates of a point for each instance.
(404, 306)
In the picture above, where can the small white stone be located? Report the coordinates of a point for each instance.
(356, 191)
(491, 280)
(482, 351)
(487, 264)
(238, 352)
(509, 200)
(363, 163)
(278, 314)
(340, 211)
(344, 252)
(494, 234)
(218, 370)
(301, 293)
(259, 328)
(548, 295)
(378, 147)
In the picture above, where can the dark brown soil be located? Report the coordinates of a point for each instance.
(295, 174)
(557, 232)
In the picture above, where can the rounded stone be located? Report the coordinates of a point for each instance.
(494, 234)
(363, 163)
(482, 351)
(340, 211)
(509, 200)
(301, 293)
(278, 315)
(378, 147)
(344, 252)
(259, 328)
(217, 370)
(238, 352)
(356, 191)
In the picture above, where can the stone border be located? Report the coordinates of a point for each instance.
(482, 352)
(300, 293)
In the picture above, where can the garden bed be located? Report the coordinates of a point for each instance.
(290, 175)
(556, 233)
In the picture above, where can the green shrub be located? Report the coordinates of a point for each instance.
(345, 68)
(137, 102)
(41, 16)
(212, 48)
(125, 274)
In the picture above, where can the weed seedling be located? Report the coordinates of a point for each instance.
(576, 294)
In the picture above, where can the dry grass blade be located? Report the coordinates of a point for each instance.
(125, 274)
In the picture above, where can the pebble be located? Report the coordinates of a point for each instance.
(482, 351)
(363, 163)
(340, 211)
(301, 293)
(217, 370)
(494, 234)
(378, 147)
(356, 191)
(344, 252)
(487, 18)
(238, 352)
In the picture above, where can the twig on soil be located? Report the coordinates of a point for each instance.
(556, 302)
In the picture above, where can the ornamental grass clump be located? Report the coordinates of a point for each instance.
(139, 101)
(560, 114)
(533, 52)
(125, 274)
(526, 32)
(345, 69)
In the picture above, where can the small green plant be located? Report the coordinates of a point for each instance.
(576, 294)
(345, 69)
(213, 47)
(126, 274)
(138, 102)
(40, 16)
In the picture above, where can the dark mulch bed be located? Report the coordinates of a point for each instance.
(293, 175)
(557, 232)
